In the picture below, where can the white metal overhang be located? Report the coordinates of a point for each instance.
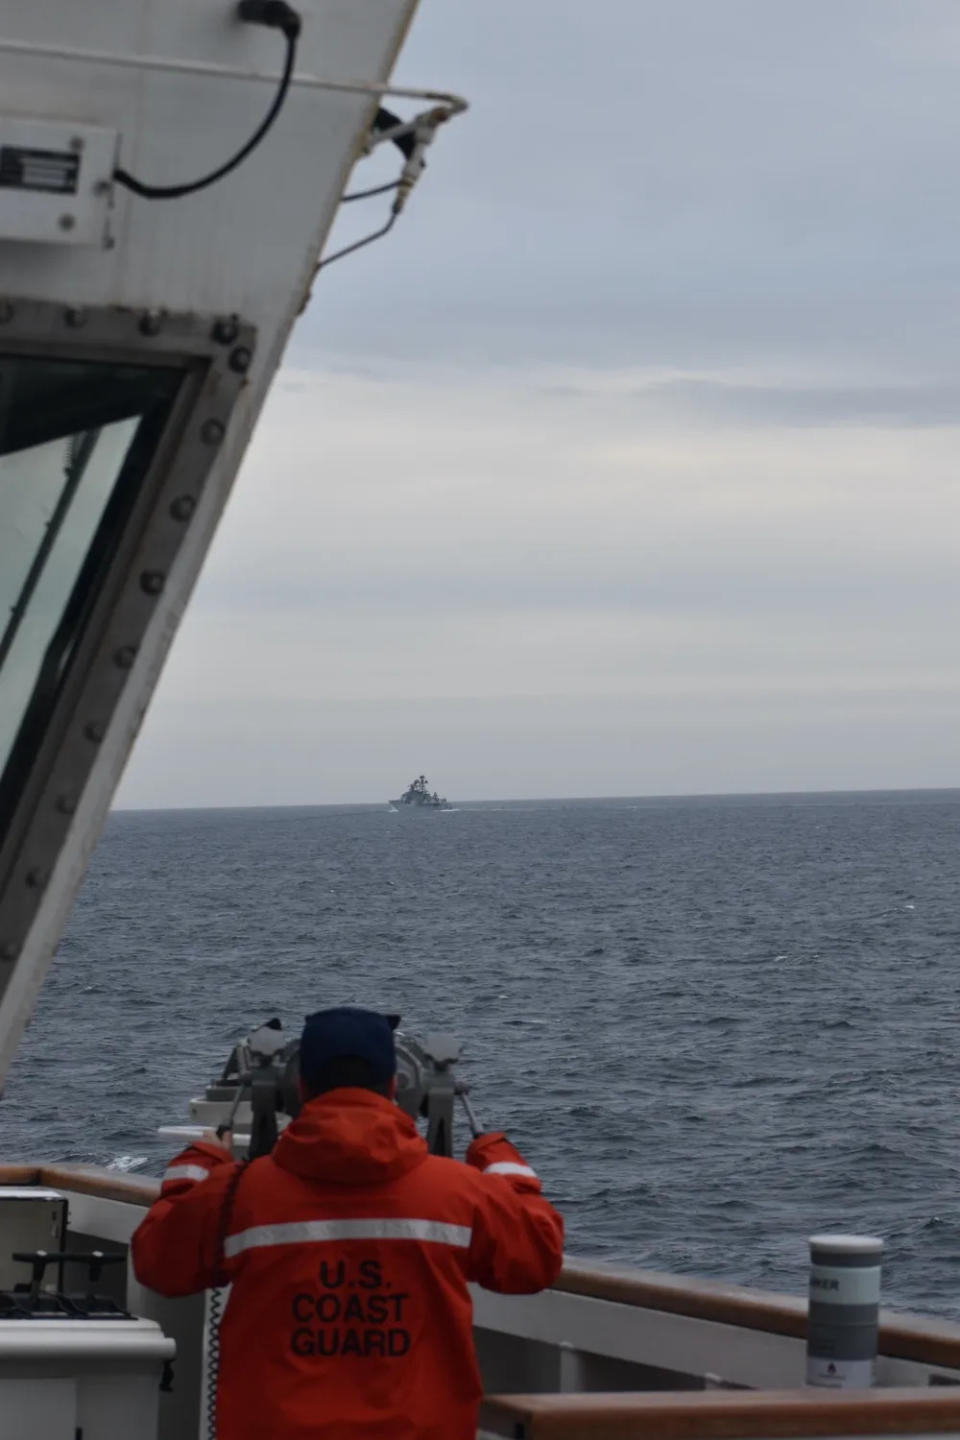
(139, 335)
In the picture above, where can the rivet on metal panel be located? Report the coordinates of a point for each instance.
(212, 432)
(66, 222)
(241, 359)
(183, 507)
(226, 329)
(37, 877)
(151, 322)
(95, 731)
(6, 312)
(75, 316)
(151, 582)
(125, 656)
(66, 803)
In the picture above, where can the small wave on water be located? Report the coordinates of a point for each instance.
(126, 1163)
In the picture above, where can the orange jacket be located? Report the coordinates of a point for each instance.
(349, 1249)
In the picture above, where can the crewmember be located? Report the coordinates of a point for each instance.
(349, 1249)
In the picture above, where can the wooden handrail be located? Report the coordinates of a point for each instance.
(85, 1180)
(721, 1415)
(686, 1295)
(107, 1184)
(20, 1175)
(904, 1337)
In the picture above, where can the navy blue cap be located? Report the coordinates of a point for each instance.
(344, 1032)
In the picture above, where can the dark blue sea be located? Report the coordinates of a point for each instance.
(714, 1025)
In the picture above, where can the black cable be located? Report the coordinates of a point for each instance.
(384, 121)
(214, 1316)
(223, 1224)
(215, 1305)
(278, 15)
(359, 244)
(366, 194)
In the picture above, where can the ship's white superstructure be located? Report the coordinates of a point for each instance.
(183, 301)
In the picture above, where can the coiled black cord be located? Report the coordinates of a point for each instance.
(278, 15)
(215, 1307)
(214, 1316)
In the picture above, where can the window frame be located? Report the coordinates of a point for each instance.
(115, 595)
(101, 541)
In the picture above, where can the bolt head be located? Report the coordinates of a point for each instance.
(151, 582)
(183, 507)
(226, 330)
(212, 432)
(241, 359)
(95, 730)
(125, 656)
(151, 322)
(66, 222)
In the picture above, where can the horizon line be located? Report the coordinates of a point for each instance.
(550, 799)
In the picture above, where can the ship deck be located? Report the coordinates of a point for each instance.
(608, 1352)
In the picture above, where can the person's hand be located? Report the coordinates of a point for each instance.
(223, 1139)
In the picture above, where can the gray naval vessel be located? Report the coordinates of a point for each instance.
(169, 173)
(418, 796)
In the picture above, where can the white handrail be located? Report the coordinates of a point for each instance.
(456, 103)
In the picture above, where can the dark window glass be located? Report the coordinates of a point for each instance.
(76, 438)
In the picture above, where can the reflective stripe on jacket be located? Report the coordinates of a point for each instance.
(349, 1249)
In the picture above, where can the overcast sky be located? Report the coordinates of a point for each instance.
(628, 464)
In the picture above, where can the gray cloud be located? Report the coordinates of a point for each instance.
(715, 402)
(531, 746)
(640, 180)
(629, 455)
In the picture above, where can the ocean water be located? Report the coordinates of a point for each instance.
(715, 1026)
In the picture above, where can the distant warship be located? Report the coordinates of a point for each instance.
(418, 796)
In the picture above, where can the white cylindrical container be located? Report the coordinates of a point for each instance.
(844, 1310)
